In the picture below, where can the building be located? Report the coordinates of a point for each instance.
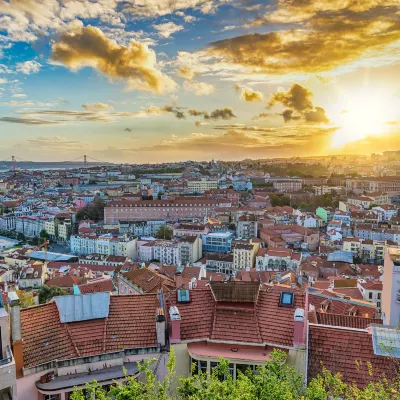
(201, 185)
(221, 263)
(244, 255)
(33, 276)
(389, 185)
(217, 242)
(140, 228)
(236, 321)
(277, 260)
(61, 347)
(391, 287)
(165, 210)
(363, 202)
(325, 213)
(247, 227)
(106, 244)
(372, 291)
(287, 185)
(8, 382)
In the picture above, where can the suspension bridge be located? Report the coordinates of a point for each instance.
(83, 161)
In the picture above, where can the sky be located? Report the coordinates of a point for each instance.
(143, 81)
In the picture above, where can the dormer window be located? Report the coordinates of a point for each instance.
(287, 299)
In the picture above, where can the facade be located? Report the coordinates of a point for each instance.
(140, 228)
(247, 227)
(389, 185)
(244, 256)
(217, 242)
(372, 292)
(391, 287)
(166, 210)
(287, 185)
(33, 276)
(221, 263)
(95, 345)
(325, 213)
(105, 244)
(201, 185)
(277, 260)
(236, 314)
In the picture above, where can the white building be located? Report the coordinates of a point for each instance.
(372, 292)
(279, 259)
(105, 244)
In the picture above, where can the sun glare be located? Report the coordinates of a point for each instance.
(362, 116)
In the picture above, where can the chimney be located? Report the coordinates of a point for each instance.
(299, 337)
(16, 335)
(160, 326)
(175, 325)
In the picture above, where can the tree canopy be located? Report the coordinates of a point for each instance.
(93, 211)
(275, 380)
(46, 293)
(164, 232)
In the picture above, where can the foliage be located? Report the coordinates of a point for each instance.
(93, 211)
(279, 200)
(276, 380)
(164, 232)
(46, 293)
(25, 298)
(262, 184)
(139, 172)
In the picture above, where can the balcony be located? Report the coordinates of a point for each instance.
(7, 376)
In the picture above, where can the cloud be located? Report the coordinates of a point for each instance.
(199, 88)
(19, 95)
(298, 101)
(167, 29)
(176, 111)
(159, 8)
(97, 107)
(2, 81)
(28, 67)
(223, 113)
(28, 121)
(55, 143)
(187, 73)
(127, 130)
(249, 95)
(135, 63)
(364, 29)
(189, 18)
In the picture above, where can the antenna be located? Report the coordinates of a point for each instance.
(85, 161)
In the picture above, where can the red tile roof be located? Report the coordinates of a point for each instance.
(346, 320)
(97, 285)
(348, 352)
(130, 324)
(261, 322)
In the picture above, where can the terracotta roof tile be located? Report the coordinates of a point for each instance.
(346, 320)
(347, 352)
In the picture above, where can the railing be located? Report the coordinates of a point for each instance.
(9, 357)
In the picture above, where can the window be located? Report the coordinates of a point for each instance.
(370, 295)
(287, 299)
(197, 366)
(379, 296)
(51, 397)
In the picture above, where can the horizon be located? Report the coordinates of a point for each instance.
(158, 81)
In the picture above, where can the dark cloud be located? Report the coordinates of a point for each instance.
(175, 110)
(127, 130)
(223, 113)
(298, 101)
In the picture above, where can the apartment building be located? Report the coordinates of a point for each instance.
(165, 210)
(287, 185)
(369, 251)
(277, 260)
(201, 185)
(389, 185)
(391, 287)
(244, 255)
(221, 263)
(247, 227)
(107, 244)
(217, 242)
(372, 292)
(325, 213)
(140, 228)
(30, 226)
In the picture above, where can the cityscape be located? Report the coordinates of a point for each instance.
(199, 199)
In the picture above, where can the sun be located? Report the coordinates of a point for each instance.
(361, 115)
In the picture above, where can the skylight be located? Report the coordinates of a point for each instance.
(287, 299)
(386, 341)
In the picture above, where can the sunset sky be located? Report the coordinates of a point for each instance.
(168, 80)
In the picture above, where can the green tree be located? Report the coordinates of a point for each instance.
(164, 232)
(25, 298)
(275, 380)
(46, 293)
(93, 211)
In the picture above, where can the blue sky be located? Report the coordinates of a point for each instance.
(162, 80)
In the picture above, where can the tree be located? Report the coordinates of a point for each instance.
(275, 380)
(279, 200)
(46, 293)
(93, 211)
(25, 298)
(43, 236)
(164, 232)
